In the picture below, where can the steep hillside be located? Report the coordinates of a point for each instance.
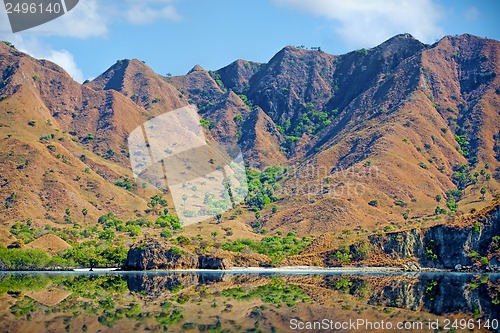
(62, 145)
(403, 134)
(394, 151)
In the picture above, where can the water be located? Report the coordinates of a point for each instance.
(248, 302)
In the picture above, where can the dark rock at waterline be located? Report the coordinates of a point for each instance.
(209, 262)
(152, 254)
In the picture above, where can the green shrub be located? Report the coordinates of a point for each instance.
(177, 251)
(166, 234)
(277, 292)
(20, 230)
(473, 254)
(342, 257)
(157, 200)
(423, 165)
(24, 259)
(452, 198)
(342, 284)
(389, 228)
(46, 137)
(183, 240)
(169, 318)
(110, 221)
(261, 187)
(125, 183)
(453, 206)
(439, 210)
(430, 250)
(92, 254)
(360, 250)
(270, 245)
(206, 123)
(484, 261)
(169, 221)
(400, 203)
(134, 230)
(238, 118)
(362, 51)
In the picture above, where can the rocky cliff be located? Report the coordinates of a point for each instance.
(446, 246)
(151, 254)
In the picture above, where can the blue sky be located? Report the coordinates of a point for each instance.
(172, 36)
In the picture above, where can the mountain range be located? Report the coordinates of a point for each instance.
(400, 135)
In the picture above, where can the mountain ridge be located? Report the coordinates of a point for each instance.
(411, 114)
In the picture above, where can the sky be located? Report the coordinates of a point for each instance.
(172, 36)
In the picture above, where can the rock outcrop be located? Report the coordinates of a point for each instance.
(152, 254)
(445, 246)
(209, 262)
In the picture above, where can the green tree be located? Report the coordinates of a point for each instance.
(483, 192)
(84, 213)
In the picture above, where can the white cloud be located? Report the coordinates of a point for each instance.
(148, 11)
(364, 23)
(91, 18)
(66, 60)
(88, 19)
(36, 49)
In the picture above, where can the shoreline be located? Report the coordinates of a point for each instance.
(289, 270)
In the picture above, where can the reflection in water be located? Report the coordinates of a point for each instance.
(229, 302)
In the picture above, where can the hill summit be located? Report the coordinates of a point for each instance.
(400, 134)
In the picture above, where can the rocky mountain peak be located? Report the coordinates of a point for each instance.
(196, 68)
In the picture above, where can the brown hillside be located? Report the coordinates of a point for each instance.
(6, 238)
(49, 297)
(50, 243)
(372, 138)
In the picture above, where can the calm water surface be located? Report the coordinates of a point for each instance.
(257, 302)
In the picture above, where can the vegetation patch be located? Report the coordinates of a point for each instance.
(277, 292)
(276, 247)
